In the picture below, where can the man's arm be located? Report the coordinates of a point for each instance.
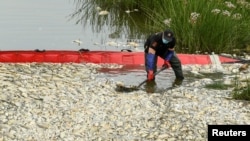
(150, 58)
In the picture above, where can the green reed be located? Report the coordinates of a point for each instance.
(204, 25)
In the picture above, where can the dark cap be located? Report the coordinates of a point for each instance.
(168, 35)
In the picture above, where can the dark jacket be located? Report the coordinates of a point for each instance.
(155, 41)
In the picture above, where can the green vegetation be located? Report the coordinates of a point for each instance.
(218, 86)
(201, 26)
(241, 90)
(243, 94)
(205, 25)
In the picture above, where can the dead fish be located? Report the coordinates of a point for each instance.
(98, 8)
(243, 67)
(79, 42)
(104, 12)
(196, 73)
(133, 44)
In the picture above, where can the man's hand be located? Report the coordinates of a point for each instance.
(151, 75)
(166, 64)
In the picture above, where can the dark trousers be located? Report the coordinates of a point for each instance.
(175, 64)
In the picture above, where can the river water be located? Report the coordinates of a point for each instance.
(46, 24)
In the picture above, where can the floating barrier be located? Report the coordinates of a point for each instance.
(124, 58)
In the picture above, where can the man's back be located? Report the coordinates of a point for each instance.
(155, 41)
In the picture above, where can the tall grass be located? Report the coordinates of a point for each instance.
(241, 89)
(202, 26)
(242, 94)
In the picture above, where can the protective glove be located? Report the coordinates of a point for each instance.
(151, 75)
(166, 64)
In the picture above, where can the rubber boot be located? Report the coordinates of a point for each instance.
(177, 82)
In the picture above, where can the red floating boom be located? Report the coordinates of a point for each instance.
(124, 58)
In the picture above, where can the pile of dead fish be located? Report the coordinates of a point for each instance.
(46, 101)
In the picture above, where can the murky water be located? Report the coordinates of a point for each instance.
(134, 76)
(46, 24)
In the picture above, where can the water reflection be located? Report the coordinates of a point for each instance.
(150, 87)
(50, 25)
(44, 24)
(122, 19)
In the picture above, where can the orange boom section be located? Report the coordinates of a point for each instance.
(124, 58)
